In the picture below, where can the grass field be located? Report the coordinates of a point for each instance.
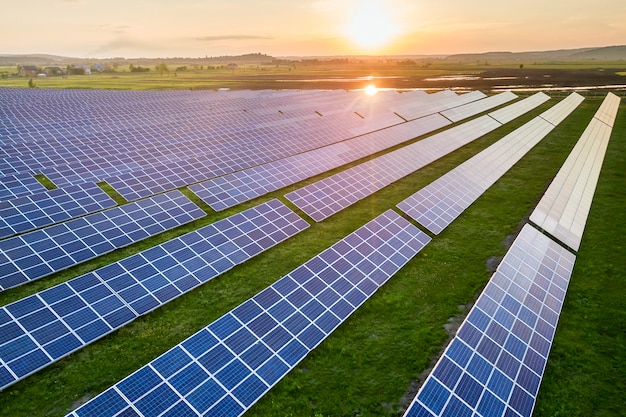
(333, 75)
(366, 367)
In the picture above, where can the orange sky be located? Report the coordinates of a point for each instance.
(194, 28)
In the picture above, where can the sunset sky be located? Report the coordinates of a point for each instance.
(197, 28)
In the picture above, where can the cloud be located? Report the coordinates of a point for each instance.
(230, 38)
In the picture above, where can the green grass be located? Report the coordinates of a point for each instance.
(367, 365)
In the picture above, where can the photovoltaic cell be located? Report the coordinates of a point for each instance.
(442, 201)
(33, 255)
(33, 211)
(226, 367)
(17, 185)
(495, 363)
(44, 327)
(564, 208)
(330, 195)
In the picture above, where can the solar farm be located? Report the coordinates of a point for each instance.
(221, 253)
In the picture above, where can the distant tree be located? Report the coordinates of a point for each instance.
(184, 68)
(521, 66)
(31, 83)
(162, 68)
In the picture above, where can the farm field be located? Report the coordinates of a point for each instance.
(370, 365)
(350, 75)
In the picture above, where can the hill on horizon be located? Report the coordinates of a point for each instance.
(606, 53)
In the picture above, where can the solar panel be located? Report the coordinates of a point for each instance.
(435, 103)
(332, 194)
(33, 211)
(608, 109)
(456, 114)
(12, 186)
(564, 208)
(33, 255)
(49, 325)
(515, 110)
(229, 190)
(442, 201)
(495, 363)
(556, 114)
(226, 367)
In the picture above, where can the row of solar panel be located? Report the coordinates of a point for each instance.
(564, 211)
(42, 328)
(495, 363)
(33, 255)
(441, 202)
(30, 212)
(229, 190)
(132, 186)
(332, 194)
(226, 367)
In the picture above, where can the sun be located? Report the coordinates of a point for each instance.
(371, 27)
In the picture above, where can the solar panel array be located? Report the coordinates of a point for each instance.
(232, 189)
(33, 211)
(278, 142)
(229, 190)
(441, 202)
(33, 255)
(44, 327)
(87, 136)
(226, 367)
(330, 195)
(564, 208)
(494, 364)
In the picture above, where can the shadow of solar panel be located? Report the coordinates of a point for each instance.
(36, 254)
(495, 363)
(62, 319)
(227, 366)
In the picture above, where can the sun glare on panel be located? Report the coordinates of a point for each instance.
(371, 26)
(371, 90)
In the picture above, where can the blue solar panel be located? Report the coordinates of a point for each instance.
(226, 367)
(33, 255)
(30, 212)
(495, 363)
(62, 319)
(12, 186)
